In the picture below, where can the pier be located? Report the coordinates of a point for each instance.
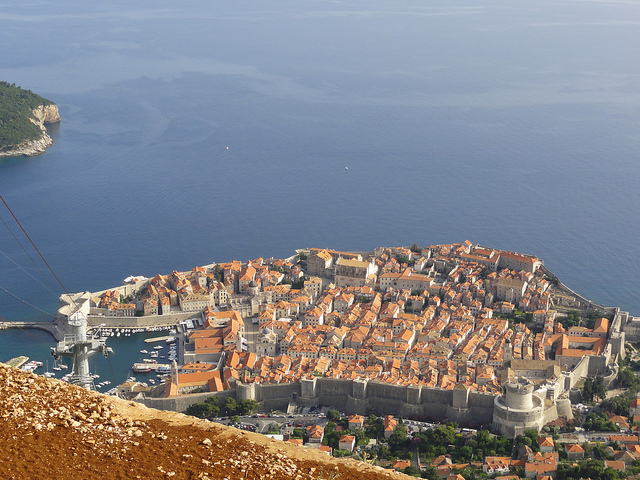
(52, 327)
(159, 339)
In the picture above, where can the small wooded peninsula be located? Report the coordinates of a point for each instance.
(23, 115)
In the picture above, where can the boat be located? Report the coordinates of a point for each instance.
(144, 351)
(140, 369)
(170, 340)
(158, 347)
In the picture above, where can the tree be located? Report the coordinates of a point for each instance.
(248, 407)
(412, 470)
(430, 473)
(374, 427)
(235, 419)
(334, 416)
(599, 390)
(627, 378)
(587, 390)
(361, 436)
(298, 433)
(230, 406)
(274, 428)
(398, 440)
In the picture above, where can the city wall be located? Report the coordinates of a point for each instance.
(180, 404)
(141, 322)
(352, 396)
(579, 302)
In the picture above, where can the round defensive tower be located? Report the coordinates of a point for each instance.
(518, 410)
(519, 395)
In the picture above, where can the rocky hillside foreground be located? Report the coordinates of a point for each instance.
(52, 430)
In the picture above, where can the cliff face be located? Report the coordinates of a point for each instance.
(49, 429)
(46, 114)
(42, 115)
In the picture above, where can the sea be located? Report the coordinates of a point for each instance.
(198, 132)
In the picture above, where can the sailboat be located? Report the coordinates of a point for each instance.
(48, 374)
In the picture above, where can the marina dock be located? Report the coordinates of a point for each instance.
(158, 339)
(17, 362)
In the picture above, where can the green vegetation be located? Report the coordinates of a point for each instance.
(571, 320)
(16, 110)
(589, 468)
(594, 388)
(211, 408)
(620, 404)
(599, 422)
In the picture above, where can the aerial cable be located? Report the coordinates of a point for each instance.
(27, 253)
(25, 302)
(22, 268)
(36, 248)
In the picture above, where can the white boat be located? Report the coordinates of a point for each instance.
(158, 347)
(144, 351)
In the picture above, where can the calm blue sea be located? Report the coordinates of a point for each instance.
(213, 131)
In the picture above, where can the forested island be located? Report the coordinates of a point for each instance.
(23, 115)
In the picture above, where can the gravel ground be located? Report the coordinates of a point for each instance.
(51, 430)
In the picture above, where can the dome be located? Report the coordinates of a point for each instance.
(253, 284)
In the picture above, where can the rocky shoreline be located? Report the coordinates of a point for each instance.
(43, 115)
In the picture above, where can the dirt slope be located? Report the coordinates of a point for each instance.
(51, 430)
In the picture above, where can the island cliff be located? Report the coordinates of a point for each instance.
(23, 116)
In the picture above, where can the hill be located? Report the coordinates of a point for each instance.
(23, 115)
(49, 429)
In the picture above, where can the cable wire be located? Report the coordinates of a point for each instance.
(25, 251)
(25, 271)
(36, 249)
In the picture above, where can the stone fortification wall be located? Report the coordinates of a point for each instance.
(384, 391)
(180, 404)
(579, 301)
(580, 371)
(563, 406)
(429, 395)
(481, 400)
(141, 322)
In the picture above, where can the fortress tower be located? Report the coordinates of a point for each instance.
(518, 410)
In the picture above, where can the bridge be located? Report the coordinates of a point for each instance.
(52, 327)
